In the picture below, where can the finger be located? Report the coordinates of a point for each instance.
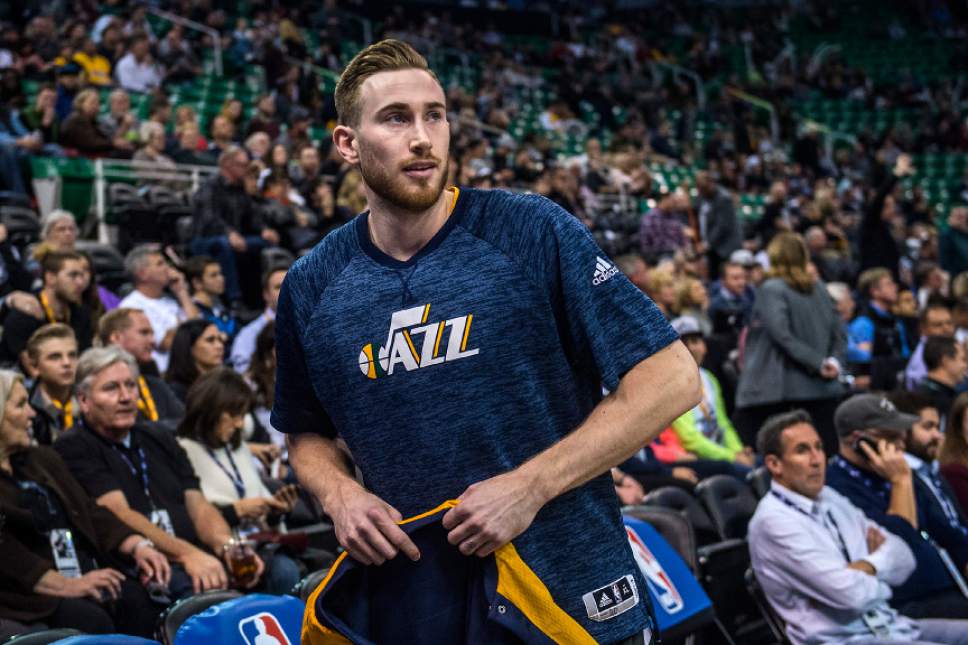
(454, 516)
(164, 573)
(400, 540)
(196, 583)
(362, 553)
(395, 515)
(379, 543)
(487, 549)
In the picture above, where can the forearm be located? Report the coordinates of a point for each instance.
(187, 305)
(212, 528)
(51, 583)
(170, 545)
(902, 502)
(320, 467)
(648, 398)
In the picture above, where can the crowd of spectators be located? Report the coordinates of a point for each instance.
(140, 420)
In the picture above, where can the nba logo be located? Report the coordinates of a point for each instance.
(660, 584)
(263, 629)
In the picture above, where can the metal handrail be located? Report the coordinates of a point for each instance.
(197, 26)
(762, 104)
(128, 169)
(819, 55)
(685, 71)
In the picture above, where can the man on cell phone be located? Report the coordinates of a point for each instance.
(872, 472)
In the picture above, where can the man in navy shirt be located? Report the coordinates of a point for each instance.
(458, 341)
(878, 479)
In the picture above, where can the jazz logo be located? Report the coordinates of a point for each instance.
(263, 629)
(660, 584)
(413, 343)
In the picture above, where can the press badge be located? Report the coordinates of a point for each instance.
(161, 519)
(878, 624)
(611, 600)
(65, 555)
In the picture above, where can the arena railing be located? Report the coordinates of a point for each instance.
(130, 171)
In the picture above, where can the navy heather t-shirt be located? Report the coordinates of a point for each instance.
(488, 346)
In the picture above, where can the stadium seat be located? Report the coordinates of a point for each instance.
(108, 263)
(773, 620)
(307, 585)
(730, 503)
(673, 527)
(106, 639)
(177, 614)
(689, 507)
(759, 481)
(42, 638)
(13, 199)
(250, 619)
(22, 224)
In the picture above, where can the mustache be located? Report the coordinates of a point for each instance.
(420, 160)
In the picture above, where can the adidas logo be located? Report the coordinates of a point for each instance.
(603, 271)
(605, 601)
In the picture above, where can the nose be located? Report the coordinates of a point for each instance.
(420, 143)
(128, 392)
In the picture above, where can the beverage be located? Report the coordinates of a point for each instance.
(241, 559)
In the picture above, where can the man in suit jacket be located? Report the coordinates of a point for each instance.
(719, 231)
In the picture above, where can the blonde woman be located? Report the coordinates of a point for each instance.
(794, 349)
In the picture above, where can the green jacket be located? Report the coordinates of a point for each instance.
(692, 438)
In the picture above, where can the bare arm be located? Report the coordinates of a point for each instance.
(365, 524)
(117, 503)
(209, 523)
(649, 397)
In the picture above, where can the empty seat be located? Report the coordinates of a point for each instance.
(108, 263)
(730, 504)
(23, 227)
(42, 638)
(689, 507)
(759, 481)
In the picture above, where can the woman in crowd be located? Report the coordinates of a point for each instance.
(62, 555)
(692, 300)
(198, 347)
(953, 455)
(211, 435)
(153, 159)
(794, 348)
(82, 132)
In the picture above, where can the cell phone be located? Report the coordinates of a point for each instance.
(859, 450)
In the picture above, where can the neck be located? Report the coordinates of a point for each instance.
(151, 290)
(401, 234)
(54, 392)
(117, 435)
(204, 297)
(5, 464)
(942, 377)
(793, 490)
(880, 304)
(56, 304)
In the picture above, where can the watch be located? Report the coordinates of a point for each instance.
(142, 542)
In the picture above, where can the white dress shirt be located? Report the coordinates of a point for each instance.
(797, 550)
(243, 347)
(163, 314)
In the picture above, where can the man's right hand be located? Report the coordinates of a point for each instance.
(236, 241)
(366, 526)
(888, 461)
(874, 539)
(25, 303)
(205, 571)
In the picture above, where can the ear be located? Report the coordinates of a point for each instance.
(344, 138)
(773, 464)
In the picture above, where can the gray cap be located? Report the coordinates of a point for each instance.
(686, 326)
(870, 412)
(742, 257)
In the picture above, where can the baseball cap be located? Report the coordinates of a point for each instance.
(743, 257)
(870, 411)
(686, 326)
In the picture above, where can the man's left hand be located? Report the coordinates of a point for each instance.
(491, 513)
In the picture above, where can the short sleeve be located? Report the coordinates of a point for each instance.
(295, 409)
(87, 465)
(179, 462)
(607, 316)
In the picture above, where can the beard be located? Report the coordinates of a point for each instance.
(413, 196)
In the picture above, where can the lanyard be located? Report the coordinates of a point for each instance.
(67, 410)
(134, 471)
(934, 485)
(830, 518)
(146, 403)
(235, 476)
(49, 311)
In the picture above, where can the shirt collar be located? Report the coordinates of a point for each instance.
(805, 504)
(916, 463)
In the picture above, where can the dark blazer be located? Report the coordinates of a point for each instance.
(723, 232)
(24, 551)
